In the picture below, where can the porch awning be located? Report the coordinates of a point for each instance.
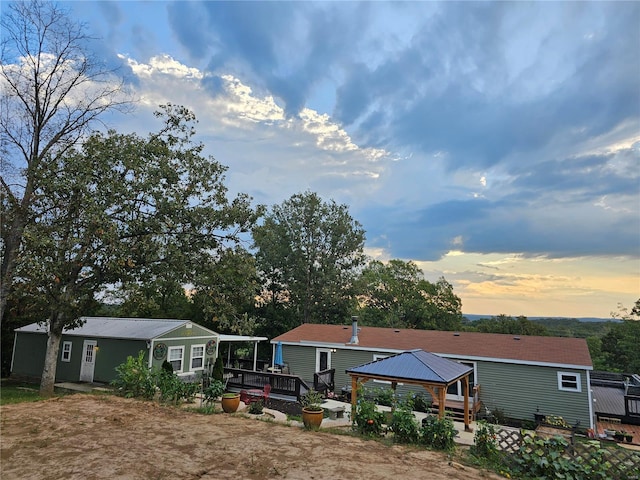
(241, 339)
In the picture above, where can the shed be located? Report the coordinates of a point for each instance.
(417, 367)
(91, 352)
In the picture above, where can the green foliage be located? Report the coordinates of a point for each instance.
(14, 392)
(620, 347)
(510, 325)
(404, 424)
(213, 391)
(134, 378)
(255, 408)
(545, 458)
(307, 253)
(173, 390)
(218, 369)
(395, 294)
(485, 441)
(438, 434)
(383, 396)
(367, 420)
(167, 367)
(312, 400)
(420, 402)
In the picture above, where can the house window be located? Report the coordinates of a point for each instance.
(66, 351)
(175, 356)
(197, 357)
(569, 382)
(379, 357)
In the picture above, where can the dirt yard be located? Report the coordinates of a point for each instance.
(102, 436)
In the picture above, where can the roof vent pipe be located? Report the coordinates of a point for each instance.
(354, 331)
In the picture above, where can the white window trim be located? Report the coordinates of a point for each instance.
(63, 357)
(318, 351)
(578, 381)
(193, 347)
(179, 347)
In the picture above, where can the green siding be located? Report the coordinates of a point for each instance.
(521, 390)
(28, 354)
(30, 351)
(187, 343)
(111, 353)
(518, 390)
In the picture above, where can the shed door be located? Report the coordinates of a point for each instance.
(88, 361)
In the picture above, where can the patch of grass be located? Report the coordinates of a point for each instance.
(18, 392)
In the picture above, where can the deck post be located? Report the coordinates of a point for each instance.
(465, 389)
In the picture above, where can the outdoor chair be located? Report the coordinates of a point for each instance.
(267, 391)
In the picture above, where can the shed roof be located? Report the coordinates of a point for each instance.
(416, 365)
(110, 327)
(524, 349)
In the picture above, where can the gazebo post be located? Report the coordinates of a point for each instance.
(394, 385)
(354, 394)
(465, 389)
(442, 392)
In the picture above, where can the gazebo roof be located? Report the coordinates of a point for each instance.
(414, 365)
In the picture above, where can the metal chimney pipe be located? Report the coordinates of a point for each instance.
(354, 331)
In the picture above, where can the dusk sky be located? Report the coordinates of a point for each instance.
(494, 144)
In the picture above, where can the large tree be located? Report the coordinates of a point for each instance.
(307, 252)
(125, 209)
(396, 294)
(51, 90)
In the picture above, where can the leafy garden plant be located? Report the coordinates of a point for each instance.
(404, 425)
(485, 441)
(438, 434)
(367, 420)
(312, 401)
(134, 378)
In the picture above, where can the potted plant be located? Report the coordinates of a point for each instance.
(628, 437)
(230, 402)
(312, 411)
(618, 436)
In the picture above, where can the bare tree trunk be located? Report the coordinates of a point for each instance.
(50, 362)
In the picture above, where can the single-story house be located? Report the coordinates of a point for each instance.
(521, 376)
(91, 352)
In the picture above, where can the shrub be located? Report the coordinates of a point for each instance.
(384, 396)
(485, 441)
(218, 369)
(404, 425)
(213, 391)
(169, 385)
(134, 378)
(438, 433)
(255, 408)
(367, 420)
(420, 402)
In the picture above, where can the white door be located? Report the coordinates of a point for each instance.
(88, 361)
(323, 359)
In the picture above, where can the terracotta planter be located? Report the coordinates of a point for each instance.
(230, 402)
(312, 418)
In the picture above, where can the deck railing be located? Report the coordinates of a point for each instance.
(281, 383)
(324, 381)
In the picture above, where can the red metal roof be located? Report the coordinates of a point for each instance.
(521, 349)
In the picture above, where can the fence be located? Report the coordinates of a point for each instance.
(624, 463)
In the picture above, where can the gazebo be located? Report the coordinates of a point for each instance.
(415, 367)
